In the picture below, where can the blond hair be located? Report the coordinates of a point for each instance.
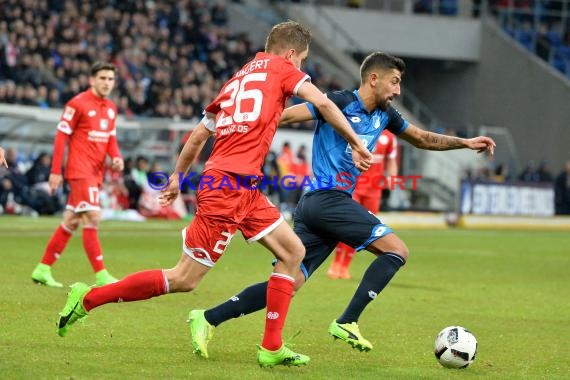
(288, 35)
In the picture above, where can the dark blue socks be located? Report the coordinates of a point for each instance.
(250, 300)
(376, 277)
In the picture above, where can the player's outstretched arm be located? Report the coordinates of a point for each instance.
(296, 114)
(434, 141)
(189, 153)
(360, 155)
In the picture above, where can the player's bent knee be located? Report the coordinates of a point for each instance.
(71, 221)
(299, 254)
(403, 251)
(72, 225)
(92, 219)
(294, 255)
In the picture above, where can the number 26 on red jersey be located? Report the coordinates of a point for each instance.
(238, 94)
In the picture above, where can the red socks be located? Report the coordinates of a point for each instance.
(56, 245)
(93, 248)
(348, 255)
(59, 240)
(135, 287)
(279, 292)
(341, 262)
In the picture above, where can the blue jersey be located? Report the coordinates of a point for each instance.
(332, 157)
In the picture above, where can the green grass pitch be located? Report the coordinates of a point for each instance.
(511, 289)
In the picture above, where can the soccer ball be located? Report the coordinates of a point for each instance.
(455, 347)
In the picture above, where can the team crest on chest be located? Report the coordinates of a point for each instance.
(376, 122)
(104, 124)
(111, 113)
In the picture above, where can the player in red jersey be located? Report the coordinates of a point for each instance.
(368, 192)
(244, 117)
(87, 126)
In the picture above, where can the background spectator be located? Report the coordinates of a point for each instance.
(562, 191)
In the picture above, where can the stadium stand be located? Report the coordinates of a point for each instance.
(541, 26)
(172, 57)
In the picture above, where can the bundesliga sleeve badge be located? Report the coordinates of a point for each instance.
(68, 113)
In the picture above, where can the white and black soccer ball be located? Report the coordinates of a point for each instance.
(455, 347)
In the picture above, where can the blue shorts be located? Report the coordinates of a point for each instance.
(323, 218)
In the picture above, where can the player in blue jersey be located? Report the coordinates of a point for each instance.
(327, 214)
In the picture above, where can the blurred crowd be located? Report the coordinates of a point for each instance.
(172, 57)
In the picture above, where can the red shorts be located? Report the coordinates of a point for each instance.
(83, 195)
(370, 202)
(228, 206)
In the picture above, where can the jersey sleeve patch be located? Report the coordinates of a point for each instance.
(64, 127)
(68, 113)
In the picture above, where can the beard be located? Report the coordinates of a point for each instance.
(385, 105)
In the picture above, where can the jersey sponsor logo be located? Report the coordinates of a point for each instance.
(63, 126)
(91, 113)
(111, 113)
(98, 136)
(104, 124)
(355, 119)
(234, 128)
(366, 140)
(68, 113)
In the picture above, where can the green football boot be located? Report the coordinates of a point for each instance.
(283, 356)
(73, 310)
(103, 278)
(201, 332)
(42, 275)
(350, 333)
